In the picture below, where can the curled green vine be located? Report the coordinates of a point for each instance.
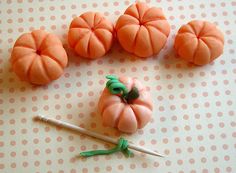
(117, 87)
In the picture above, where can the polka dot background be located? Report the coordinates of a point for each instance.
(194, 120)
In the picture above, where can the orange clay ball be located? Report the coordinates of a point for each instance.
(38, 57)
(199, 42)
(141, 30)
(90, 35)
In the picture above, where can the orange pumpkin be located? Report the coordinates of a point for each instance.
(125, 104)
(199, 42)
(38, 57)
(90, 35)
(141, 30)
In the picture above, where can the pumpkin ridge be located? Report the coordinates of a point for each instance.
(104, 29)
(17, 58)
(209, 32)
(141, 20)
(215, 38)
(177, 46)
(136, 6)
(94, 15)
(145, 30)
(100, 21)
(118, 119)
(116, 28)
(48, 47)
(195, 32)
(202, 29)
(86, 21)
(127, 25)
(187, 42)
(209, 49)
(155, 26)
(185, 32)
(99, 39)
(99, 27)
(188, 30)
(93, 24)
(45, 68)
(142, 103)
(193, 35)
(54, 59)
(108, 105)
(34, 38)
(135, 40)
(142, 9)
(132, 11)
(201, 34)
(195, 52)
(121, 114)
(154, 19)
(22, 43)
(77, 41)
(158, 30)
(137, 118)
(40, 47)
(14, 62)
(88, 45)
(52, 55)
(79, 27)
(151, 43)
(25, 47)
(77, 45)
(77, 18)
(30, 68)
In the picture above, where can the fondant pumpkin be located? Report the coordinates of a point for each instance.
(199, 42)
(90, 35)
(125, 104)
(141, 30)
(38, 57)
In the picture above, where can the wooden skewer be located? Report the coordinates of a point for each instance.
(93, 134)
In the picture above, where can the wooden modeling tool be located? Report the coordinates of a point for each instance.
(93, 134)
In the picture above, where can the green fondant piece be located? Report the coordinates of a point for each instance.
(133, 94)
(121, 146)
(116, 87)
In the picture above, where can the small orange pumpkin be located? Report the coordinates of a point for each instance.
(90, 35)
(38, 57)
(141, 30)
(199, 42)
(125, 104)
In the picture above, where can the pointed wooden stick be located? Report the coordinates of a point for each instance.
(93, 134)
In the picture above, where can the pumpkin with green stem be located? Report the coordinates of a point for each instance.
(125, 104)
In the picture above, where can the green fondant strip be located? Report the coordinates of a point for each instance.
(121, 146)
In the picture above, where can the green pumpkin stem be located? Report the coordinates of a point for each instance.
(117, 87)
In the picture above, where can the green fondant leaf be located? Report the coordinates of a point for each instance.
(133, 94)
